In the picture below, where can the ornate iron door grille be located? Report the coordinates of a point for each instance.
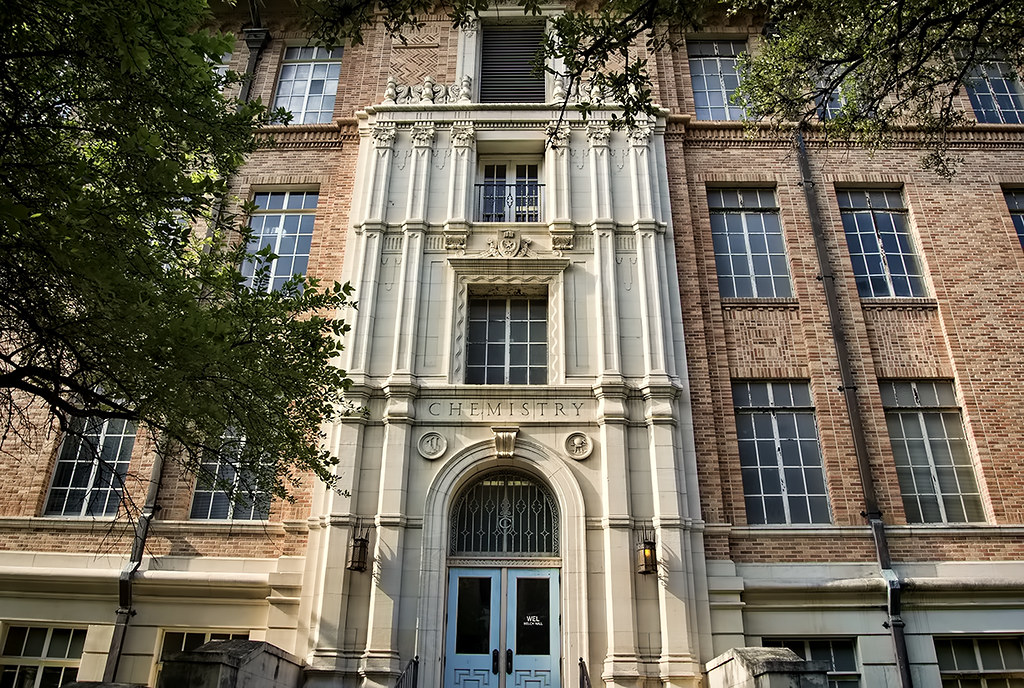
(505, 514)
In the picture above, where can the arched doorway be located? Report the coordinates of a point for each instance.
(503, 609)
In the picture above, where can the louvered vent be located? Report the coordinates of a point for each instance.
(506, 64)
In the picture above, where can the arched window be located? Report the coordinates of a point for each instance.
(505, 514)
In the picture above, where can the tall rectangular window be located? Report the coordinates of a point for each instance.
(88, 479)
(996, 94)
(283, 221)
(507, 55)
(780, 458)
(226, 492)
(507, 342)
(884, 260)
(714, 77)
(40, 657)
(981, 662)
(750, 255)
(308, 84)
(929, 446)
(840, 653)
(510, 192)
(1015, 201)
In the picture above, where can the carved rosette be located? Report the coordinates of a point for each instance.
(384, 135)
(423, 134)
(463, 135)
(578, 446)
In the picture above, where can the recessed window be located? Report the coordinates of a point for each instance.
(308, 84)
(885, 262)
(509, 192)
(507, 63)
(929, 446)
(186, 641)
(40, 657)
(981, 662)
(780, 458)
(840, 653)
(996, 94)
(750, 255)
(715, 77)
(225, 491)
(1015, 201)
(283, 222)
(507, 341)
(88, 479)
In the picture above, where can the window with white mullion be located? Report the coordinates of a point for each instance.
(883, 257)
(283, 222)
(308, 83)
(840, 653)
(750, 253)
(507, 341)
(933, 462)
(714, 77)
(40, 657)
(1015, 202)
(225, 490)
(780, 456)
(996, 94)
(88, 479)
(981, 661)
(510, 192)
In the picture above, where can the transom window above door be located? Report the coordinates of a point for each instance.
(505, 514)
(509, 192)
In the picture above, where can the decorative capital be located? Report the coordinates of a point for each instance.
(505, 441)
(598, 133)
(463, 135)
(558, 134)
(455, 241)
(640, 135)
(562, 242)
(423, 134)
(384, 135)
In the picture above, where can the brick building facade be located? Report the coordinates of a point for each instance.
(572, 340)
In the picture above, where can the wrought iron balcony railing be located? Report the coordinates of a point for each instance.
(509, 201)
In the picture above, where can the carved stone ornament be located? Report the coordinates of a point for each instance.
(640, 135)
(562, 242)
(423, 134)
(463, 134)
(384, 135)
(455, 241)
(505, 441)
(599, 134)
(558, 134)
(432, 445)
(508, 245)
(578, 446)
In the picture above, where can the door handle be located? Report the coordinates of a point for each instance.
(494, 662)
(508, 662)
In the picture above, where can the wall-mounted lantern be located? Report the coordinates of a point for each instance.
(646, 553)
(358, 550)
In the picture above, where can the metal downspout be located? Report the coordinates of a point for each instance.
(125, 611)
(848, 387)
(256, 39)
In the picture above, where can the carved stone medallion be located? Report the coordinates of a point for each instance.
(578, 446)
(432, 445)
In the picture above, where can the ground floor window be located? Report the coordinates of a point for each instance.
(981, 662)
(40, 656)
(185, 641)
(840, 653)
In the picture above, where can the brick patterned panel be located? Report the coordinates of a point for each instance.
(763, 342)
(906, 342)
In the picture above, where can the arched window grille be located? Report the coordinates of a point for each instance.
(505, 514)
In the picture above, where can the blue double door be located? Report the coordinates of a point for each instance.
(503, 628)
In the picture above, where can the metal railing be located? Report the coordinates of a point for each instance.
(519, 201)
(410, 675)
(584, 675)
